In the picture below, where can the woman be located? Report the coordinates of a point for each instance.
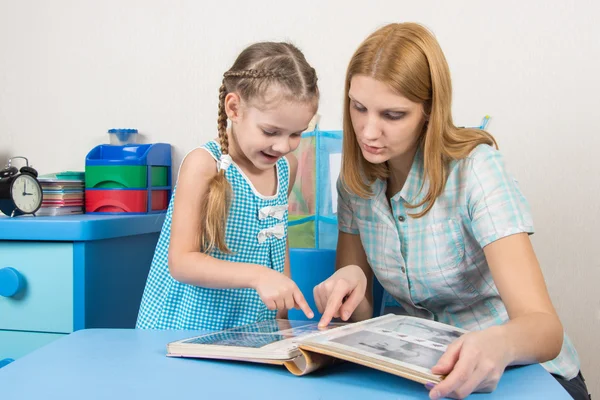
(431, 211)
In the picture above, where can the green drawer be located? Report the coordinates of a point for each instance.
(45, 304)
(15, 344)
(124, 176)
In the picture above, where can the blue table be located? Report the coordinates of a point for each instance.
(131, 364)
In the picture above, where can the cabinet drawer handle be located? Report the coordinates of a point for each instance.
(5, 362)
(11, 282)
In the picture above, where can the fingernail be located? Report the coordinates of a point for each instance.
(429, 386)
(346, 315)
(434, 395)
(311, 315)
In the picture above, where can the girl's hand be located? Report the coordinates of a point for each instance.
(473, 363)
(340, 294)
(279, 292)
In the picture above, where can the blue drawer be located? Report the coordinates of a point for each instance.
(45, 302)
(15, 344)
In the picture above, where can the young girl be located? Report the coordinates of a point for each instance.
(221, 259)
(431, 210)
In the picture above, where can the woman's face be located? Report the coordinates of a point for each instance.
(387, 125)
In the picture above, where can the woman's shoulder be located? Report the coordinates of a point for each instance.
(483, 152)
(481, 157)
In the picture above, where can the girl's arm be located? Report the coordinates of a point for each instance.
(293, 162)
(188, 265)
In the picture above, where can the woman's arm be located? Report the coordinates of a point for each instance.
(533, 333)
(350, 251)
(348, 292)
(500, 222)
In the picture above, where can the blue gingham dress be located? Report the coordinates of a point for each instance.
(256, 233)
(434, 267)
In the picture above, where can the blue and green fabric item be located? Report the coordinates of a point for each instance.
(312, 211)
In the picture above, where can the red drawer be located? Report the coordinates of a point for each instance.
(124, 201)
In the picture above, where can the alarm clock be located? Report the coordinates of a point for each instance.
(20, 191)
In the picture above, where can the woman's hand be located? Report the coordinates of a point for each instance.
(340, 294)
(472, 363)
(279, 292)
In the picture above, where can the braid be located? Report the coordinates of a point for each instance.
(253, 73)
(222, 120)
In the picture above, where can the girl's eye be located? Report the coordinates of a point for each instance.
(269, 133)
(394, 116)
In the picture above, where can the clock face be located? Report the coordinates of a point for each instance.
(26, 193)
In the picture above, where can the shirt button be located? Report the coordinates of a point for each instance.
(403, 269)
(401, 218)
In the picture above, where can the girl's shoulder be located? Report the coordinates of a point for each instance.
(213, 148)
(200, 161)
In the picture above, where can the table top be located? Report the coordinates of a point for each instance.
(81, 227)
(131, 364)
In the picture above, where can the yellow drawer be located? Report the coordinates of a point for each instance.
(45, 301)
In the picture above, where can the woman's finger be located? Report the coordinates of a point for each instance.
(459, 376)
(334, 302)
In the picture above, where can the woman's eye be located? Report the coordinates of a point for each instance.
(358, 107)
(269, 133)
(394, 116)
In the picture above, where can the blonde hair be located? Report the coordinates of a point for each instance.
(255, 70)
(408, 58)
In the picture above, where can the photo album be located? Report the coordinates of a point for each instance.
(401, 345)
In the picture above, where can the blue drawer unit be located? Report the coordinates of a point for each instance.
(43, 302)
(62, 274)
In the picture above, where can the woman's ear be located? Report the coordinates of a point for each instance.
(233, 106)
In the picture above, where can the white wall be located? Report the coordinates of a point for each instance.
(69, 70)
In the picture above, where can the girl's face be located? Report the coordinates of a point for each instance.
(387, 125)
(263, 135)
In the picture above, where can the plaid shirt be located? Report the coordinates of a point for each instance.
(434, 266)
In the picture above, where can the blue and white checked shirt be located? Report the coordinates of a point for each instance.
(434, 266)
(252, 235)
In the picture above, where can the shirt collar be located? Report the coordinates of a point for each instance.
(411, 192)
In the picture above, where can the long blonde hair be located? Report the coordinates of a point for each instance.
(254, 71)
(409, 59)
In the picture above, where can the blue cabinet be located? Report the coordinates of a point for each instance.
(62, 274)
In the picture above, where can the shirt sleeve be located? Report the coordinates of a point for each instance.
(345, 214)
(496, 205)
